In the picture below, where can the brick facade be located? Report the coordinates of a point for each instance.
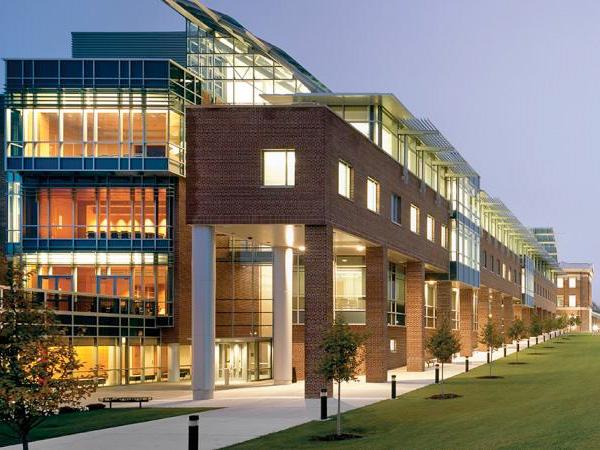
(415, 332)
(466, 322)
(377, 344)
(509, 314)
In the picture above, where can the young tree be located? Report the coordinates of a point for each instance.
(536, 327)
(562, 322)
(516, 332)
(341, 359)
(492, 339)
(576, 321)
(442, 345)
(547, 325)
(37, 365)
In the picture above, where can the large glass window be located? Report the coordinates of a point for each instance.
(455, 309)
(414, 219)
(572, 301)
(430, 229)
(430, 305)
(396, 209)
(298, 290)
(372, 195)
(350, 289)
(345, 180)
(279, 167)
(560, 282)
(572, 282)
(396, 295)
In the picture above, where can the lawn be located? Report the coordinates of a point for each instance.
(78, 422)
(553, 401)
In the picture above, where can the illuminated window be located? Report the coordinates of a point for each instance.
(572, 282)
(372, 195)
(393, 346)
(430, 229)
(396, 295)
(414, 219)
(572, 301)
(279, 167)
(560, 301)
(430, 305)
(560, 282)
(345, 176)
(455, 308)
(444, 236)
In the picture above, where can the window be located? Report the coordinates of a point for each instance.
(393, 347)
(298, 290)
(444, 236)
(572, 301)
(396, 209)
(484, 259)
(414, 219)
(373, 195)
(430, 229)
(345, 179)
(560, 301)
(350, 289)
(475, 312)
(503, 270)
(279, 167)
(572, 282)
(396, 295)
(560, 282)
(455, 309)
(430, 301)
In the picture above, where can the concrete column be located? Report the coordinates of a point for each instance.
(283, 266)
(483, 313)
(444, 301)
(377, 344)
(509, 315)
(318, 298)
(415, 317)
(173, 362)
(466, 321)
(113, 369)
(203, 312)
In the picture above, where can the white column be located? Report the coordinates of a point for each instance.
(113, 369)
(283, 264)
(173, 361)
(203, 312)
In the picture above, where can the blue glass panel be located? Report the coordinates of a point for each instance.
(46, 163)
(156, 69)
(89, 69)
(14, 163)
(107, 163)
(88, 163)
(137, 69)
(107, 69)
(71, 69)
(46, 69)
(28, 69)
(14, 69)
(71, 163)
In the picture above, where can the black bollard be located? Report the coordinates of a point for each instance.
(517, 347)
(467, 364)
(393, 386)
(437, 373)
(543, 338)
(505, 350)
(323, 404)
(536, 340)
(488, 357)
(527, 342)
(193, 433)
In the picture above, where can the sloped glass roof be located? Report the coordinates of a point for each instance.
(204, 17)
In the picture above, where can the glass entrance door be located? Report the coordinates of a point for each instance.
(242, 362)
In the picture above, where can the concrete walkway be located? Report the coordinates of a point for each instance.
(246, 413)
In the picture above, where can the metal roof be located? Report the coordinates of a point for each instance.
(520, 231)
(204, 17)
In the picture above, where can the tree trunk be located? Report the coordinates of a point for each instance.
(25, 442)
(338, 425)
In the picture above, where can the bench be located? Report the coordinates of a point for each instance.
(430, 362)
(111, 400)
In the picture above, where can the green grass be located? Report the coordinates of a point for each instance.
(553, 401)
(78, 422)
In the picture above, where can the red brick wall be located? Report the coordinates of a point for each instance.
(415, 332)
(466, 322)
(377, 344)
(492, 248)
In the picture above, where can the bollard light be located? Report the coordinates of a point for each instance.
(393, 386)
(466, 363)
(437, 373)
(193, 431)
(323, 404)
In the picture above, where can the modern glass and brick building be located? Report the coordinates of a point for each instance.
(197, 204)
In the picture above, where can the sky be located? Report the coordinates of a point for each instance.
(514, 85)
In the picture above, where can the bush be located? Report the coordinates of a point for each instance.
(95, 406)
(67, 410)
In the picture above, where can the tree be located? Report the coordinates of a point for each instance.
(536, 326)
(516, 332)
(548, 325)
(341, 359)
(491, 338)
(442, 345)
(37, 364)
(575, 321)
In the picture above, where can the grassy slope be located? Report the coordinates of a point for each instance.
(553, 401)
(79, 422)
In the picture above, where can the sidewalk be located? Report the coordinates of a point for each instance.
(246, 413)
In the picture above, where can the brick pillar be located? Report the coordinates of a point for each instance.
(483, 313)
(377, 344)
(509, 315)
(497, 314)
(318, 297)
(466, 322)
(526, 316)
(444, 300)
(415, 312)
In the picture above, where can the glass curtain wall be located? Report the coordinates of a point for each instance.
(350, 289)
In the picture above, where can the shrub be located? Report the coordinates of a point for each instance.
(95, 406)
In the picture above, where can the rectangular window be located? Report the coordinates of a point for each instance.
(572, 282)
(503, 270)
(430, 301)
(396, 295)
(560, 301)
(345, 179)
(393, 346)
(350, 289)
(572, 301)
(414, 219)
(475, 312)
(560, 282)
(484, 259)
(279, 167)
(455, 309)
(430, 229)
(396, 209)
(444, 236)
(373, 195)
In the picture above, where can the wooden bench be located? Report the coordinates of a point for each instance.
(430, 362)
(111, 400)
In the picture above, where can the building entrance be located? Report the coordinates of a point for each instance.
(242, 362)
